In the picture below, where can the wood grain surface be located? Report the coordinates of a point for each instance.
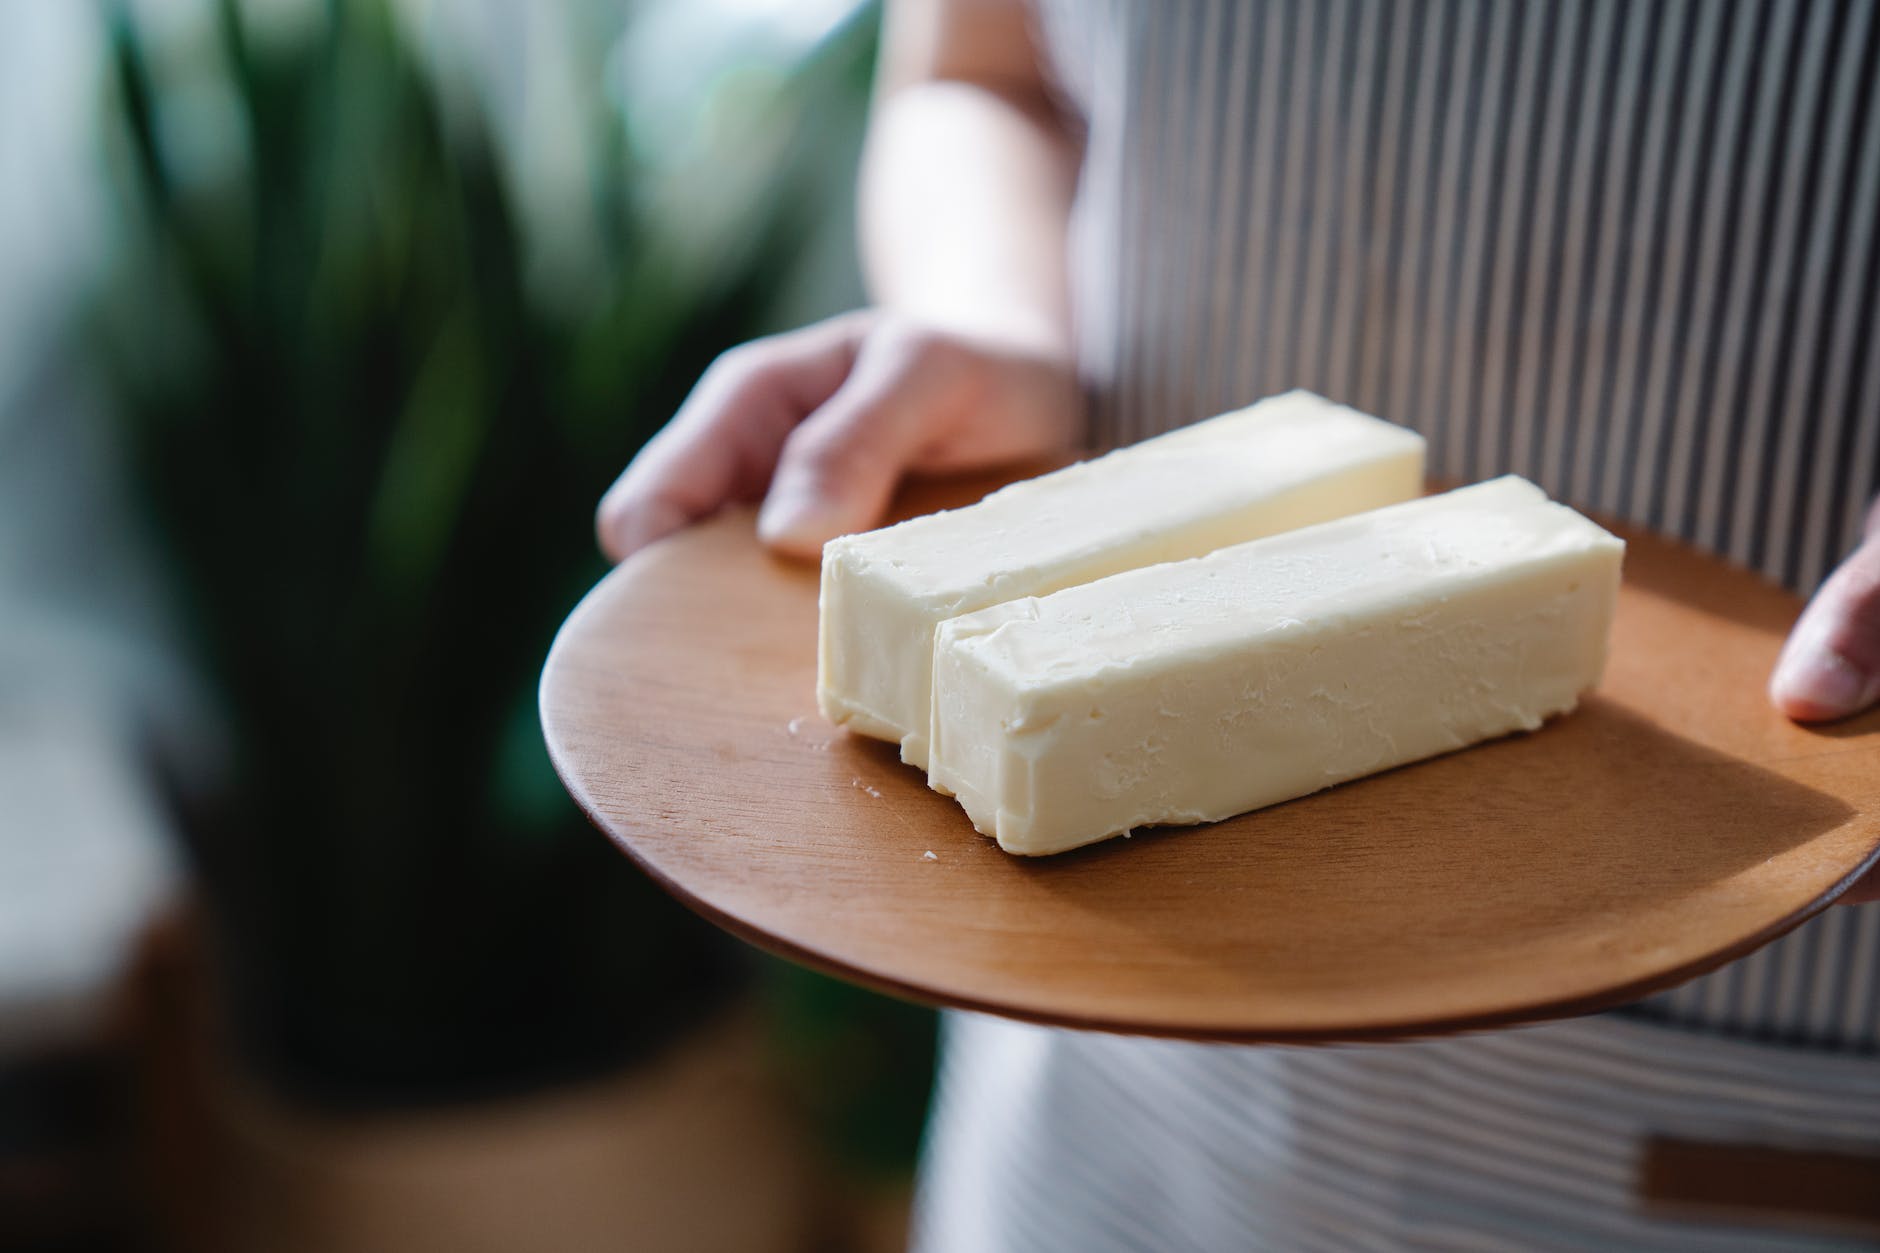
(1673, 822)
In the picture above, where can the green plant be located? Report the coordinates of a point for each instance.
(373, 453)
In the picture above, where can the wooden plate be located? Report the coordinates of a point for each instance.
(1672, 823)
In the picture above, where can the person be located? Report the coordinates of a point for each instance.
(1628, 251)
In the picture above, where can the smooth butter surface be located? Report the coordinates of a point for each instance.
(1286, 462)
(1198, 690)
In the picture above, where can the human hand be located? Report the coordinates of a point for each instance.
(821, 423)
(1830, 667)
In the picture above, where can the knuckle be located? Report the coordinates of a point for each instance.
(1861, 588)
(896, 340)
(1845, 615)
(944, 370)
(759, 366)
(924, 348)
(740, 382)
(831, 453)
(736, 363)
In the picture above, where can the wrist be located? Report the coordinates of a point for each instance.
(1010, 331)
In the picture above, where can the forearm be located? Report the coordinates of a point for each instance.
(967, 178)
(966, 191)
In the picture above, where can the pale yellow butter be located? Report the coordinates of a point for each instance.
(1286, 462)
(1201, 689)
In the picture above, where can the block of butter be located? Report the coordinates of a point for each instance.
(1201, 689)
(1286, 462)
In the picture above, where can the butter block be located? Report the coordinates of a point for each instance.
(1285, 462)
(1197, 690)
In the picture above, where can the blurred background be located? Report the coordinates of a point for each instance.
(323, 325)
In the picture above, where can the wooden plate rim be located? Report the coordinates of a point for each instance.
(1528, 1012)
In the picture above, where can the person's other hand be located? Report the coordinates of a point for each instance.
(1830, 667)
(821, 424)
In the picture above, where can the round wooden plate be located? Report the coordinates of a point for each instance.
(1672, 823)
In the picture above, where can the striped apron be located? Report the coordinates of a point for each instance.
(1625, 248)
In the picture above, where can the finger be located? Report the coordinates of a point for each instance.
(839, 468)
(726, 437)
(1830, 667)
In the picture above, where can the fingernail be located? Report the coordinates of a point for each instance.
(1819, 683)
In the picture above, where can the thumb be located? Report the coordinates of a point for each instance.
(1830, 667)
(840, 466)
